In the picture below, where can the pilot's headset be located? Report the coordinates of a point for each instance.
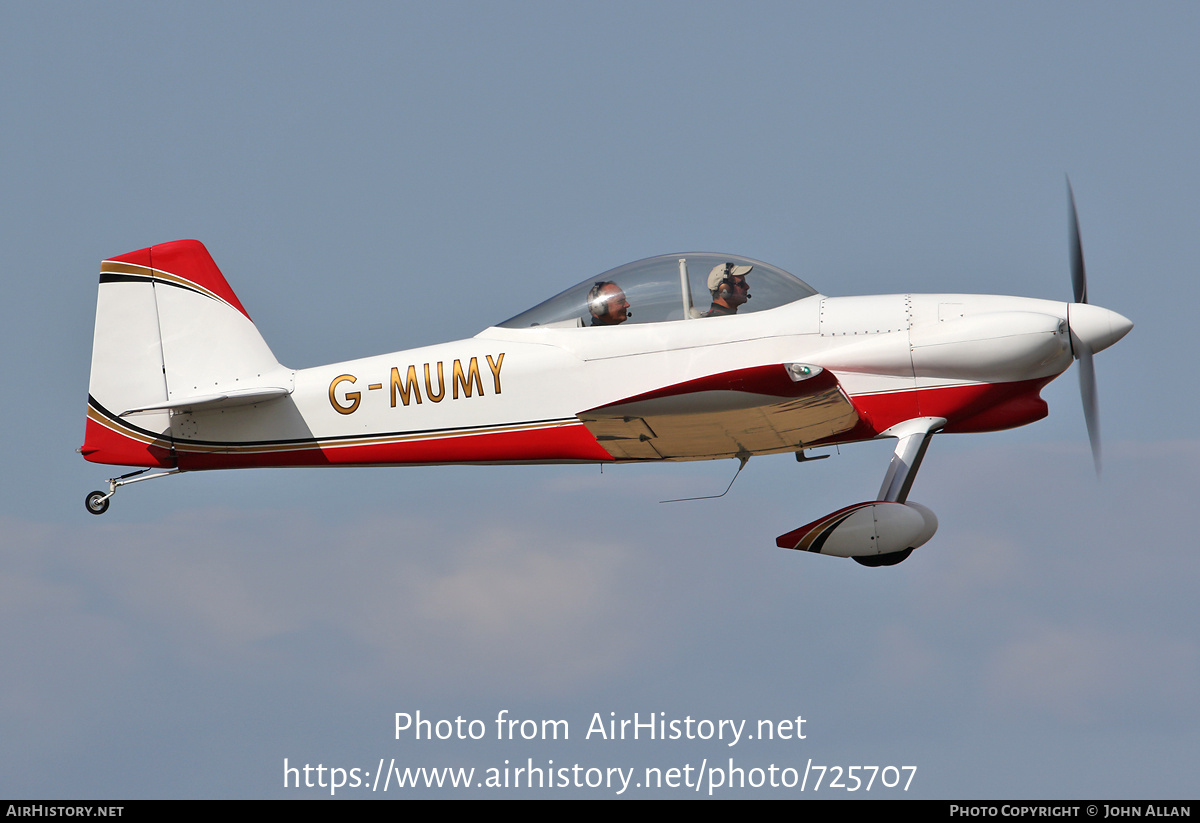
(720, 279)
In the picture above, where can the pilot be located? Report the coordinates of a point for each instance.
(727, 283)
(607, 304)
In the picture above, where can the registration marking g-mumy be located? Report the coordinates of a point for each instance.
(465, 381)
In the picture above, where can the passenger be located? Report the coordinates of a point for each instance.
(729, 289)
(607, 304)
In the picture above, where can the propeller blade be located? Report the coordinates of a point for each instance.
(1091, 403)
(1092, 329)
(1078, 275)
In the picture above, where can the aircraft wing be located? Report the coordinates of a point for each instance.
(763, 409)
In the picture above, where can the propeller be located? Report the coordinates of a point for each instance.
(1093, 329)
(1079, 347)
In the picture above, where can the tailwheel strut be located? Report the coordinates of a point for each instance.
(97, 502)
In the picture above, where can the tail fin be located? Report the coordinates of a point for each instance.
(170, 335)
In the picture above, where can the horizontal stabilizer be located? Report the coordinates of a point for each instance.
(242, 397)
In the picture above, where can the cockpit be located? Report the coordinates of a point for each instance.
(669, 287)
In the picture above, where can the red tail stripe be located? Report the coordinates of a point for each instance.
(187, 259)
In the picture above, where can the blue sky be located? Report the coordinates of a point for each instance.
(382, 176)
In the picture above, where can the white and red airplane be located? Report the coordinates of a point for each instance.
(662, 359)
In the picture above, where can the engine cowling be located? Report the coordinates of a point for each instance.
(865, 530)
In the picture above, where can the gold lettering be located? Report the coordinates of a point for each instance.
(353, 397)
(496, 369)
(407, 386)
(441, 392)
(465, 381)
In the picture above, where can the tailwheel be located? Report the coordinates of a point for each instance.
(889, 559)
(96, 502)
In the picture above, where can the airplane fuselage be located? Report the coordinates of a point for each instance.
(515, 395)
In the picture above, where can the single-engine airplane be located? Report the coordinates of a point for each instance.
(662, 359)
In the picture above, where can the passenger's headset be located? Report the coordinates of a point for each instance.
(598, 305)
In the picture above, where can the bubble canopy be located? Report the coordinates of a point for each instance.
(661, 289)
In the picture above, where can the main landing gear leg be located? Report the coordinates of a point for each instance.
(912, 440)
(97, 502)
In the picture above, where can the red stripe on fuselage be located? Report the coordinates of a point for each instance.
(102, 444)
(769, 380)
(970, 408)
(979, 407)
